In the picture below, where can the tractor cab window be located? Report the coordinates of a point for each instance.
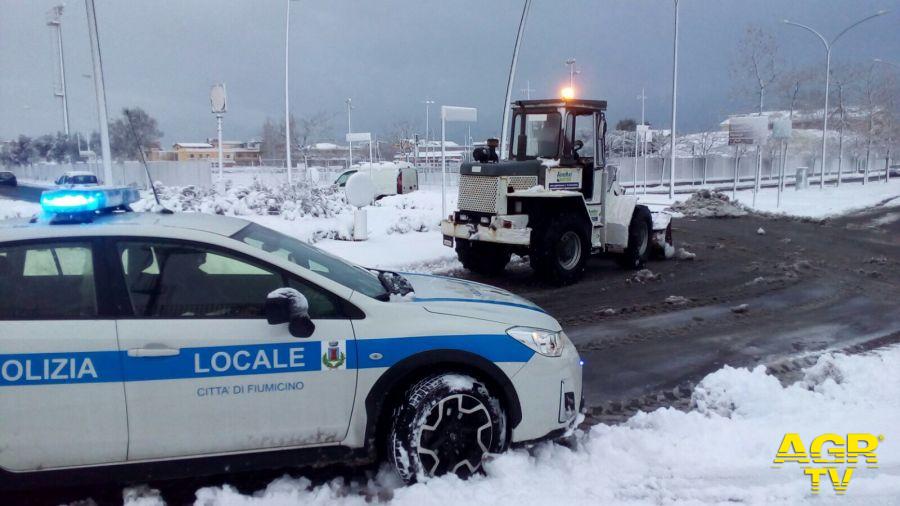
(580, 137)
(541, 131)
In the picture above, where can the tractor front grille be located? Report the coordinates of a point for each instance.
(478, 193)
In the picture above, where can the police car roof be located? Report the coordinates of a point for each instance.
(137, 223)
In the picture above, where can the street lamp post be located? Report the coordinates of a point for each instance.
(572, 72)
(287, 104)
(54, 21)
(674, 103)
(427, 103)
(828, 46)
(504, 124)
(100, 91)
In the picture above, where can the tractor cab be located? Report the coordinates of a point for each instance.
(571, 133)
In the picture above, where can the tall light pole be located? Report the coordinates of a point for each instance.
(674, 103)
(349, 103)
(54, 21)
(217, 102)
(504, 124)
(828, 46)
(573, 71)
(427, 103)
(527, 90)
(99, 91)
(287, 98)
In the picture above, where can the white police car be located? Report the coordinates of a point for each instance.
(140, 346)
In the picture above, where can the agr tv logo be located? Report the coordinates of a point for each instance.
(830, 456)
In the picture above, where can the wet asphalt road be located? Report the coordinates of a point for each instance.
(808, 286)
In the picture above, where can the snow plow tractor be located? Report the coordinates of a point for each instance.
(555, 200)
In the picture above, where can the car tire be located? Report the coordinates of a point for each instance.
(638, 249)
(445, 423)
(559, 250)
(483, 258)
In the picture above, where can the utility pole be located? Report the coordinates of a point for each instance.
(100, 91)
(349, 103)
(54, 21)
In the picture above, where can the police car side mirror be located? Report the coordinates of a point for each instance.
(287, 305)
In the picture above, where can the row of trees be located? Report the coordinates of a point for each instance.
(61, 148)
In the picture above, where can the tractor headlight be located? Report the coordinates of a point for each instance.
(545, 342)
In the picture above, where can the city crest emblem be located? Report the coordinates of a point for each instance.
(334, 356)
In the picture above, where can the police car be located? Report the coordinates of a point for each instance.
(141, 346)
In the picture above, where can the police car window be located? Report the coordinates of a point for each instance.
(47, 281)
(306, 256)
(192, 282)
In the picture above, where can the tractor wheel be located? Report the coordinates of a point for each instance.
(484, 258)
(638, 249)
(559, 250)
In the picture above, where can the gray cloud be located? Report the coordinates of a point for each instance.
(390, 54)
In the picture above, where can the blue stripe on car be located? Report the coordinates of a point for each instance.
(252, 359)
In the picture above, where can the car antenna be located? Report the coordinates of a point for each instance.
(137, 142)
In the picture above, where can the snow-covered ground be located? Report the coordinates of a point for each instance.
(720, 452)
(17, 209)
(404, 230)
(809, 203)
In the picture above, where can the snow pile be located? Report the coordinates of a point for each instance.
(291, 202)
(709, 204)
(720, 452)
(17, 209)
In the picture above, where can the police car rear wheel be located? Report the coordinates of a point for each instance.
(448, 424)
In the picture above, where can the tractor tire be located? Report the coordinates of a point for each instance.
(559, 250)
(446, 423)
(483, 258)
(638, 249)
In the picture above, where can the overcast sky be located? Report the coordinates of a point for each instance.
(389, 55)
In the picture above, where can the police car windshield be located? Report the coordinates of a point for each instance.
(350, 275)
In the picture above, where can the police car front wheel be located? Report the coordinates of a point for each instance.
(446, 423)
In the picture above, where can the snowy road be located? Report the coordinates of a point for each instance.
(807, 286)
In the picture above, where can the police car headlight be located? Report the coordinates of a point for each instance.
(545, 342)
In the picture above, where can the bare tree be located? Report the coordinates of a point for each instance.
(793, 88)
(400, 137)
(706, 142)
(313, 127)
(878, 92)
(756, 65)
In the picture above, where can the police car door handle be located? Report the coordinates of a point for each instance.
(153, 352)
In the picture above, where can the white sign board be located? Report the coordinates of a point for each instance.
(453, 113)
(359, 137)
(747, 129)
(217, 98)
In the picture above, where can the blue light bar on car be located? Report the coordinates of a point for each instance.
(87, 200)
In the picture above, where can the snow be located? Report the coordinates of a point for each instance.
(721, 451)
(809, 203)
(17, 209)
(404, 230)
